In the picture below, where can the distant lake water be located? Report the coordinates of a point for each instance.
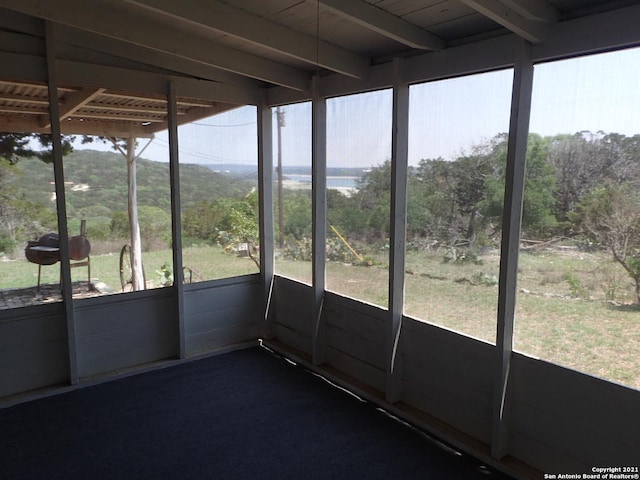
(332, 181)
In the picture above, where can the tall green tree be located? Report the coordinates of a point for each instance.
(538, 219)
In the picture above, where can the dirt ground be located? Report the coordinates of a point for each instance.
(48, 293)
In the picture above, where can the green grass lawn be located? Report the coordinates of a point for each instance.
(575, 309)
(209, 262)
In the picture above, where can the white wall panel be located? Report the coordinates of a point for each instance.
(125, 331)
(292, 308)
(33, 348)
(448, 375)
(222, 313)
(564, 421)
(356, 339)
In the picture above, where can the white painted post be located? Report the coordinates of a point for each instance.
(399, 167)
(512, 218)
(265, 194)
(61, 206)
(134, 225)
(319, 218)
(176, 219)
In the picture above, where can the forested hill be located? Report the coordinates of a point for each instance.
(96, 183)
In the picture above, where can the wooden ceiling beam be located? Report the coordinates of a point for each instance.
(195, 114)
(537, 10)
(117, 117)
(534, 32)
(223, 18)
(126, 109)
(384, 23)
(24, 124)
(9, 97)
(73, 102)
(187, 102)
(111, 46)
(21, 110)
(105, 129)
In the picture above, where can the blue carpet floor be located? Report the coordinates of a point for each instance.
(243, 415)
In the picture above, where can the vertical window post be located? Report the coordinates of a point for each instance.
(319, 217)
(398, 227)
(176, 220)
(512, 218)
(265, 206)
(58, 171)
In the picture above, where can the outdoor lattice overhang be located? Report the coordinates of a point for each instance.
(24, 107)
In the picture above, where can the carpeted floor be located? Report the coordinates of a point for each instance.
(243, 415)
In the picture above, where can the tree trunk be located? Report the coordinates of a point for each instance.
(471, 226)
(637, 279)
(134, 226)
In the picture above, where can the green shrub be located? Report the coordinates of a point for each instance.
(575, 286)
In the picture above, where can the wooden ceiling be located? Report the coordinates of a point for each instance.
(110, 52)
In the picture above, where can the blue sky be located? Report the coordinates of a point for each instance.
(447, 117)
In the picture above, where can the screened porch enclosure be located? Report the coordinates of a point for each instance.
(401, 198)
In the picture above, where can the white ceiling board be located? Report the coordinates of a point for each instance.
(268, 9)
(439, 13)
(402, 8)
(474, 24)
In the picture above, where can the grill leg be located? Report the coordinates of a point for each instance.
(39, 272)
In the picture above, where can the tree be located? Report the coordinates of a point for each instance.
(586, 160)
(433, 186)
(464, 183)
(471, 173)
(21, 218)
(297, 215)
(538, 218)
(240, 225)
(610, 216)
(14, 146)
(201, 220)
(364, 214)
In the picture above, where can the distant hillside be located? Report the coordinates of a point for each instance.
(96, 183)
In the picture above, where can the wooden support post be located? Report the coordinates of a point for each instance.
(399, 168)
(265, 192)
(61, 206)
(176, 219)
(512, 218)
(319, 218)
(134, 225)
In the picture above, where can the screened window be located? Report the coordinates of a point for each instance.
(358, 195)
(219, 195)
(118, 211)
(29, 255)
(578, 275)
(457, 157)
(292, 190)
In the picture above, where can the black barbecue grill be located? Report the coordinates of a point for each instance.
(46, 251)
